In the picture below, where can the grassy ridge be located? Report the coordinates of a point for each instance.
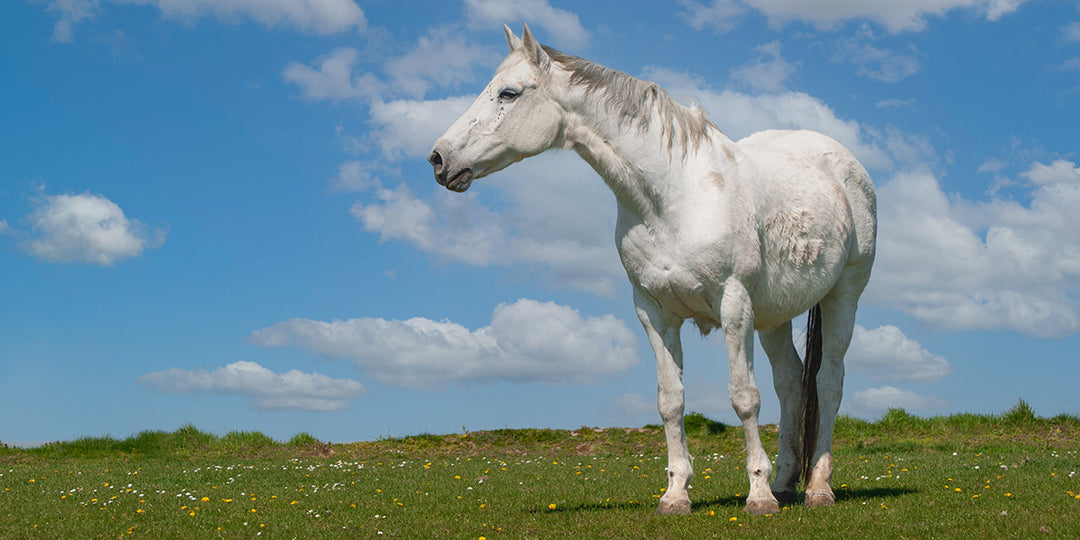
(1013, 475)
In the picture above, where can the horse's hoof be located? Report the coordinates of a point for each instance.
(678, 507)
(785, 497)
(815, 499)
(761, 507)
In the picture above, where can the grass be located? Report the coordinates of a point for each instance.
(1013, 475)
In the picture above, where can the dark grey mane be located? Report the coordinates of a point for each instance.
(635, 99)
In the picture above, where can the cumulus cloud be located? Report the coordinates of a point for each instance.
(719, 16)
(333, 79)
(86, 228)
(318, 16)
(444, 57)
(527, 341)
(887, 355)
(739, 114)
(69, 13)
(266, 389)
(894, 16)
(4, 227)
(558, 216)
(872, 62)
(406, 129)
(767, 71)
(563, 26)
(875, 401)
(997, 264)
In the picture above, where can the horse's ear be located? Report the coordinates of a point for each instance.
(513, 41)
(534, 51)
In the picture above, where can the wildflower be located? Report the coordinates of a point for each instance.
(551, 506)
(205, 499)
(712, 512)
(733, 519)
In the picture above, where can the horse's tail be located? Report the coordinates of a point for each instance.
(811, 365)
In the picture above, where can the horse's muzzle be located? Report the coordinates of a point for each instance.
(458, 181)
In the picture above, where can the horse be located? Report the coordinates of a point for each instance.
(740, 236)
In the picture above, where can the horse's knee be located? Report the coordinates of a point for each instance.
(747, 403)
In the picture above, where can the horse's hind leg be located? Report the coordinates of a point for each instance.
(837, 324)
(787, 374)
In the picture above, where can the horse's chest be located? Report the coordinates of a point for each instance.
(684, 278)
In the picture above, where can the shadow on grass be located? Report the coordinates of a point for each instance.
(842, 496)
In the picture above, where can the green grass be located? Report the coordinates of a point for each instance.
(1013, 475)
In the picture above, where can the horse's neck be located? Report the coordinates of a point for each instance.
(646, 174)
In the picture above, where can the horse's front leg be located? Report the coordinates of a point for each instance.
(737, 318)
(663, 333)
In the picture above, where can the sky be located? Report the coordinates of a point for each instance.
(220, 213)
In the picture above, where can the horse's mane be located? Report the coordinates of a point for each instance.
(635, 99)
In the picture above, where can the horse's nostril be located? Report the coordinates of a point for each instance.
(435, 159)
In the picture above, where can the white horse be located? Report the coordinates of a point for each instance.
(738, 236)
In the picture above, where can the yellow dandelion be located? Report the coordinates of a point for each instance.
(252, 510)
(191, 513)
(294, 502)
(1008, 494)
(226, 500)
(712, 512)
(733, 519)
(958, 490)
(140, 511)
(551, 506)
(205, 499)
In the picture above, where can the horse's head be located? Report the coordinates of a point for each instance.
(515, 117)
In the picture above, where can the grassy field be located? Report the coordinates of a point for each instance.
(966, 476)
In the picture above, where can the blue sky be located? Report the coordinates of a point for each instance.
(220, 213)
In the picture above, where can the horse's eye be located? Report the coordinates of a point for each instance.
(508, 95)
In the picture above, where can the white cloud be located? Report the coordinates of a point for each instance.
(319, 16)
(995, 264)
(1072, 31)
(895, 16)
(267, 390)
(1059, 172)
(874, 63)
(444, 57)
(719, 16)
(767, 71)
(563, 26)
(357, 176)
(558, 216)
(4, 227)
(739, 114)
(527, 341)
(406, 129)
(86, 228)
(887, 355)
(333, 79)
(68, 13)
(875, 401)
